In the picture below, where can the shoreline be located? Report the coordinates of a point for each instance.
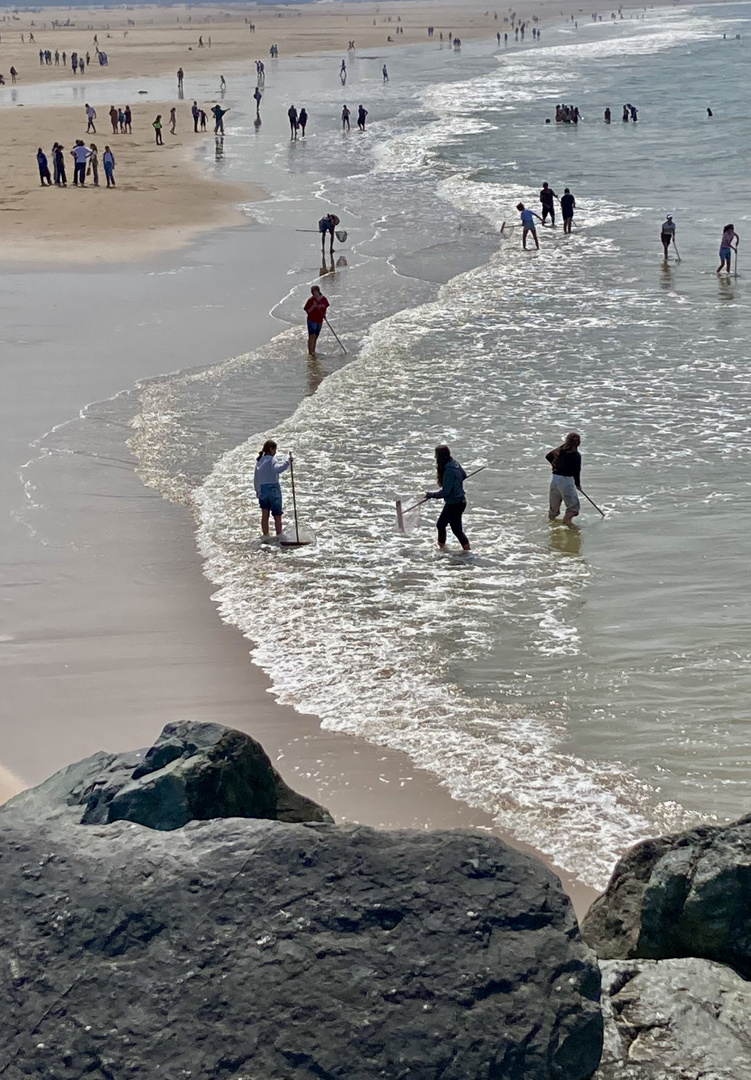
(158, 652)
(161, 204)
(201, 667)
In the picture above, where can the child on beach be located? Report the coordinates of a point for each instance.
(727, 247)
(267, 486)
(528, 224)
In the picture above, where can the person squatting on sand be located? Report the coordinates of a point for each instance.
(451, 477)
(316, 307)
(268, 489)
(564, 483)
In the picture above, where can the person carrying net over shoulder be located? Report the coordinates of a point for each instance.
(451, 477)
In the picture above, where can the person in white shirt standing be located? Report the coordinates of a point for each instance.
(80, 155)
(90, 117)
(267, 486)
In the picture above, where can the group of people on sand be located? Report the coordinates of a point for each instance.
(85, 163)
(565, 485)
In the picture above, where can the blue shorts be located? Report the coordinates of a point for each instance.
(314, 327)
(270, 498)
(725, 253)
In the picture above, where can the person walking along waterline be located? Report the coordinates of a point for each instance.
(90, 118)
(267, 487)
(727, 247)
(667, 234)
(316, 307)
(451, 477)
(157, 126)
(564, 484)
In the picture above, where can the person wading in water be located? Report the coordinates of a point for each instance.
(451, 477)
(564, 483)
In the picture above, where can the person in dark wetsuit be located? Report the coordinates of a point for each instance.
(451, 477)
(546, 198)
(564, 483)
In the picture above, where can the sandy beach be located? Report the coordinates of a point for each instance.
(109, 630)
(163, 196)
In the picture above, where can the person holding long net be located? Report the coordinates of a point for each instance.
(451, 477)
(268, 489)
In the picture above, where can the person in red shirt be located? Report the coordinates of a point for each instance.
(315, 308)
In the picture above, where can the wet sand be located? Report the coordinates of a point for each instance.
(108, 630)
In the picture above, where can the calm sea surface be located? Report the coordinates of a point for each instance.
(588, 686)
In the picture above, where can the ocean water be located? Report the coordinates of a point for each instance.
(587, 687)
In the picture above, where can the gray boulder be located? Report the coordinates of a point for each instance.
(675, 1020)
(245, 949)
(193, 772)
(683, 895)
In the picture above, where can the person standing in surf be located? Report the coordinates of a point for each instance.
(568, 205)
(727, 247)
(451, 477)
(667, 234)
(564, 484)
(267, 486)
(316, 307)
(528, 224)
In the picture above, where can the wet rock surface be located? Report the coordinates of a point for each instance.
(684, 1019)
(688, 894)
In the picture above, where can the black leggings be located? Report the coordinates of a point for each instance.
(451, 516)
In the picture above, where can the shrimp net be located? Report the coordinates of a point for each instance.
(408, 513)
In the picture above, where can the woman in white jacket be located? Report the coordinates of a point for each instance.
(268, 488)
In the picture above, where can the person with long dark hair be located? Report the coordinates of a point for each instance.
(565, 481)
(267, 486)
(451, 477)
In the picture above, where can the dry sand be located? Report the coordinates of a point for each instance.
(164, 197)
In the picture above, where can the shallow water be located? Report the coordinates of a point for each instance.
(585, 686)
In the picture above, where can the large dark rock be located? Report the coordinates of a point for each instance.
(683, 895)
(193, 772)
(675, 1020)
(259, 950)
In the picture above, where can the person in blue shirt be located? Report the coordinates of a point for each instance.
(451, 477)
(528, 224)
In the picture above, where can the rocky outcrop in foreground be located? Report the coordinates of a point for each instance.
(683, 895)
(675, 1020)
(252, 949)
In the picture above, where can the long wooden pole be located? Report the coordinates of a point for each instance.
(294, 500)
